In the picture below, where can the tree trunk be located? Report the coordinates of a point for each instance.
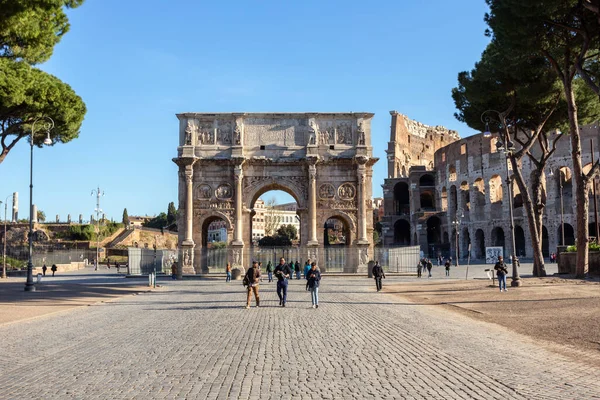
(539, 268)
(533, 215)
(3, 155)
(581, 182)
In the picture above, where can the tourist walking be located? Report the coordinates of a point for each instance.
(44, 269)
(297, 269)
(447, 265)
(270, 271)
(291, 266)
(419, 268)
(429, 266)
(378, 274)
(173, 270)
(53, 269)
(501, 272)
(252, 279)
(227, 273)
(282, 273)
(306, 268)
(313, 280)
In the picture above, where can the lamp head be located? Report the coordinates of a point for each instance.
(487, 132)
(499, 145)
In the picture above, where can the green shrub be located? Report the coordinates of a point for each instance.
(14, 263)
(591, 247)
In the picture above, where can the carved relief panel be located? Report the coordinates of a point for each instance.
(224, 192)
(326, 191)
(224, 132)
(346, 191)
(206, 133)
(344, 132)
(326, 132)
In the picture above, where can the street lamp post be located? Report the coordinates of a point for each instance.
(560, 195)
(4, 242)
(506, 146)
(456, 223)
(47, 125)
(98, 211)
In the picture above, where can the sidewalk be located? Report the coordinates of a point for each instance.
(63, 292)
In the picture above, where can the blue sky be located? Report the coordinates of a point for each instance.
(138, 63)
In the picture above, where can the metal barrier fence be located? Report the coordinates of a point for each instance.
(144, 261)
(50, 256)
(398, 259)
(330, 259)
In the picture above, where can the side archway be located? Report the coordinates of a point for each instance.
(346, 220)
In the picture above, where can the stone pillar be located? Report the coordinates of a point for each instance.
(362, 214)
(239, 232)
(80, 219)
(312, 204)
(187, 246)
(34, 214)
(189, 205)
(15, 207)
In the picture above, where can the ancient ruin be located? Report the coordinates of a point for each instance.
(228, 160)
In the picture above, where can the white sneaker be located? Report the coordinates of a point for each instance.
(506, 290)
(313, 306)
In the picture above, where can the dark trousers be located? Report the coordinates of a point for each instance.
(378, 283)
(282, 287)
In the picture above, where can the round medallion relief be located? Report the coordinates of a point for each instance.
(326, 191)
(204, 192)
(224, 192)
(346, 191)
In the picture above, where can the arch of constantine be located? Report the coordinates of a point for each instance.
(228, 160)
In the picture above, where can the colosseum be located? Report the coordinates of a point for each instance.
(439, 184)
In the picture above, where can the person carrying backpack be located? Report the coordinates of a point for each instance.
(251, 281)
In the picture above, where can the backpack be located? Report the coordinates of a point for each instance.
(246, 281)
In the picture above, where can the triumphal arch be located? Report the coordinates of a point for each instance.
(228, 160)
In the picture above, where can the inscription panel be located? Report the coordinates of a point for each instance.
(271, 131)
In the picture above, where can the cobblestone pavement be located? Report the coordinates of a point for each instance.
(195, 340)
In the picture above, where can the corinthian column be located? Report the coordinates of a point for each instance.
(312, 204)
(238, 233)
(362, 215)
(189, 204)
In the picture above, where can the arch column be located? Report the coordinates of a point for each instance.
(362, 218)
(238, 232)
(312, 203)
(186, 248)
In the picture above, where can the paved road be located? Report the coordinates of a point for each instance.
(194, 339)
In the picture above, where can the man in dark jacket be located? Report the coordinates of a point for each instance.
(501, 272)
(378, 274)
(282, 273)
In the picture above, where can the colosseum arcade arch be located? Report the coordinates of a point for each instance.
(402, 232)
(227, 160)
